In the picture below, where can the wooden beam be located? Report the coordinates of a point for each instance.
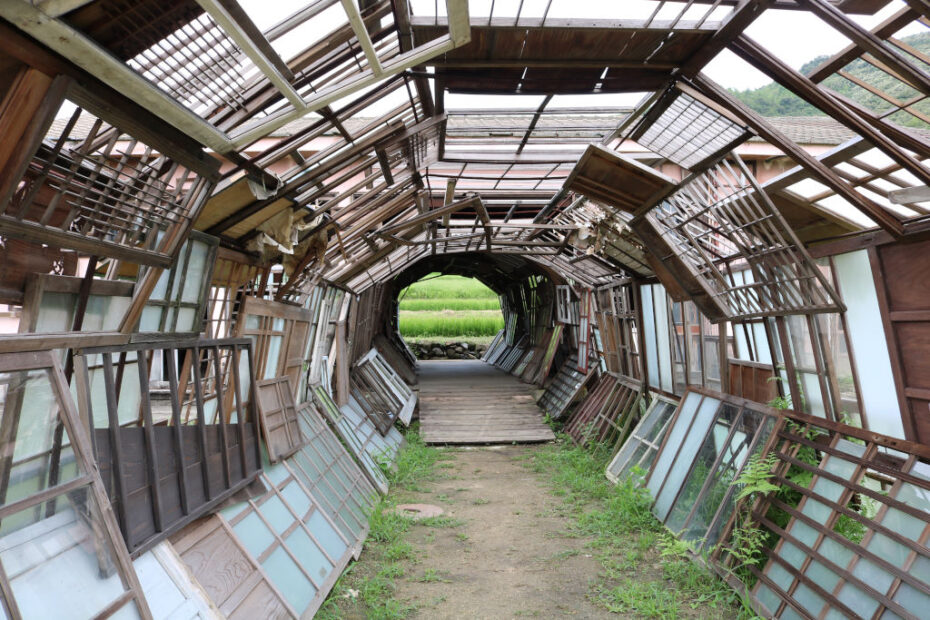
(921, 193)
(742, 16)
(827, 176)
(870, 43)
(429, 215)
(761, 59)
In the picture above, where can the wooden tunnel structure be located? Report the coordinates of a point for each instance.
(208, 209)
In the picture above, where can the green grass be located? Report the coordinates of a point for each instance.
(449, 307)
(646, 573)
(434, 286)
(449, 303)
(366, 589)
(477, 323)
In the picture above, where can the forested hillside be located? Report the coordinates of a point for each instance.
(774, 100)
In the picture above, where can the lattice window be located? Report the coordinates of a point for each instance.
(286, 531)
(644, 442)
(95, 188)
(709, 442)
(856, 539)
(731, 239)
(195, 465)
(283, 435)
(57, 527)
(361, 436)
(326, 468)
(381, 392)
(689, 132)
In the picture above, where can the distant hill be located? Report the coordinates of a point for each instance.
(775, 100)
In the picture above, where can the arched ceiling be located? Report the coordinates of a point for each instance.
(391, 135)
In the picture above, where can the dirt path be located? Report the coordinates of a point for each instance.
(507, 555)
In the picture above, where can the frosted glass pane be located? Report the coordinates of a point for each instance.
(910, 597)
(276, 514)
(876, 577)
(309, 555)
(675, 436)
(662, 336)
(151, 319)
(822, 576)
(686, 455)
(194, 275)
(291, 583)
(649, 328)
(767, 597)
(59, 555)
(254, 534)
(277, 474)
(187, 320)
(296, 498)
(327, 535)
(854, 598)
(869, 347)
(274, 351)
(809, 599)
(161, 592)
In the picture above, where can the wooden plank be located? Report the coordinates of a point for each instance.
(470, 401)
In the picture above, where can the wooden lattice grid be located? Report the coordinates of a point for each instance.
(721, 222)
(690, 133)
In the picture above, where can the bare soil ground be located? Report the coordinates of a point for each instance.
(509, 554)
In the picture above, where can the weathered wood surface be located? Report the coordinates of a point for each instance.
(469, 401)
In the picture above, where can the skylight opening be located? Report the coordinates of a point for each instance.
(492, 103)
(838, 205)
(771, 30)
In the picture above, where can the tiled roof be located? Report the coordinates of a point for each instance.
(802, 129)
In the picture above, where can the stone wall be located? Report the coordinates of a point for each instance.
(447, 350)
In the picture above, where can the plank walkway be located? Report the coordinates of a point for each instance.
(469, 401)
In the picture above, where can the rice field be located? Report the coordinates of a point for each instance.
(449, 307)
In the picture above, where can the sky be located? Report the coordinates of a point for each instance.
(794, 36)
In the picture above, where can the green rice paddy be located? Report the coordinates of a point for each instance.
(450, 307)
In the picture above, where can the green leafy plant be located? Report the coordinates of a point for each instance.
(747, 540)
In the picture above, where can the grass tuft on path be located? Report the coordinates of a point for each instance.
(366, 589)
(646, 570)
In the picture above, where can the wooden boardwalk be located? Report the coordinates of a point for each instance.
(469, 401)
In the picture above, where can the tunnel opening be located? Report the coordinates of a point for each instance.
(448, 316)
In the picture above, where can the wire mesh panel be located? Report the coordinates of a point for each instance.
(853, 517)
(93, 187)
(721, 222)
(688, 132)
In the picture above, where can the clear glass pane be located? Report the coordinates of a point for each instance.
(29, 411)
(64, 554)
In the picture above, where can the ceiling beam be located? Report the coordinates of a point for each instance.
(761, 59)
(821, 171)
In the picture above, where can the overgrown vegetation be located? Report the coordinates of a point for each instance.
(366, 589)
(451, 325)
(436, 286)
(775, 100)
(449, 307)
(647, 572)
